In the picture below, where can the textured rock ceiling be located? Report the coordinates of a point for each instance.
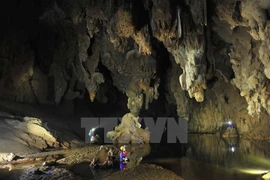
(202, 56)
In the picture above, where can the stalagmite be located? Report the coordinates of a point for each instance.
(129, 131)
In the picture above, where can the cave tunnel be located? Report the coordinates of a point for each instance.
(140, 89)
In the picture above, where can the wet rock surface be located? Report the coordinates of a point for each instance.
(47, 173)
(74, 164)
(144, 172)
(205, 156)
(109, 156)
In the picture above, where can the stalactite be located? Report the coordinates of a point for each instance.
(92, 96)
(205, 12)
(179, 27)
(156, 85)
(147, 100)
(149, 96)
(182, 80)
(140, 49)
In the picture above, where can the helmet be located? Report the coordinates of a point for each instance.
(122, 148)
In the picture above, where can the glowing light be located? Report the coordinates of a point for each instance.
(228, 122)
(233, 149)
(253, 171)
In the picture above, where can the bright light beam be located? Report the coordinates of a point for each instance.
(253, 171)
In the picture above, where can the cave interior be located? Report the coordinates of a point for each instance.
(204, 62)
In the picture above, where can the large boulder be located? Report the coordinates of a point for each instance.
(24, 135)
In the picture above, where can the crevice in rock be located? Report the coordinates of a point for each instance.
(140, 15)
(237, 13)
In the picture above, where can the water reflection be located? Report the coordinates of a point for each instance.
(213, 157)
(204, 157)
(229, 152)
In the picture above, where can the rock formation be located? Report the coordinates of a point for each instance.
(206, 61)
(129, 131)
(26, 135)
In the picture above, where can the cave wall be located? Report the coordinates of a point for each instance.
(217, 69)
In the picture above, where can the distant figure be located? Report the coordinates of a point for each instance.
(93, 136)
(230, 124)
(123, 158)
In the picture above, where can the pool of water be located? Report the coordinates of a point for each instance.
(212, 157)
(7, 175)
(204, 157)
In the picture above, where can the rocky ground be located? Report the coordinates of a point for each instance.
(32, 150)
(74, 164)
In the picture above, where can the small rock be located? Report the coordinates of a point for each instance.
(9, 157)
(65, 145)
